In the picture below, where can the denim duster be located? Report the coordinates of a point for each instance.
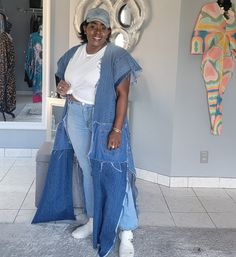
(111, 170)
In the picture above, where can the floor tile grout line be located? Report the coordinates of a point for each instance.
(229, 195)
(222, 189)
(162, 194)
(23, 201)
(167, 206)
(5, 209)
(27, 209)
(188, 212)
(204, 208)
(11, 166)
(187, 196)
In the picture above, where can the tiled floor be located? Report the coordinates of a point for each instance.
(159, 205)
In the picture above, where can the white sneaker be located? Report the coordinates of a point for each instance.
(126, 248)
(83, 231)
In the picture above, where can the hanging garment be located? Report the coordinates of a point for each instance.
(35, 22)
(33, 65)
(214, 37)
(7, 74)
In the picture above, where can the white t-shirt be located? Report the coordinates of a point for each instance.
(82, 74)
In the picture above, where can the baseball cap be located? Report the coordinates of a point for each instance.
(98, 14)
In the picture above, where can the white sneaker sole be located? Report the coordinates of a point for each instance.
(126, 250)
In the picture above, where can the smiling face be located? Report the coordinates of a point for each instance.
(97, 35)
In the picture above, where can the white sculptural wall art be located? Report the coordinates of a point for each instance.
(127, 19)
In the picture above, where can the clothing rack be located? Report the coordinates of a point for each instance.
(31, 10)
(4, 116)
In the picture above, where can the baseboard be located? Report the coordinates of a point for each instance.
(17, 153)
(217, 182)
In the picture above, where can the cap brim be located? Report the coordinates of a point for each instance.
(100, 20)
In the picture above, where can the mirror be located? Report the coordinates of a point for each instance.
(125, 16)
(25, 87)
(120, 40)
(127, 19)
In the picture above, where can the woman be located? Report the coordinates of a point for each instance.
(95, 78)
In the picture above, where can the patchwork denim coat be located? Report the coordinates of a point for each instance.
(111, 170)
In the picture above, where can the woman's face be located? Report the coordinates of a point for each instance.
(97, 34)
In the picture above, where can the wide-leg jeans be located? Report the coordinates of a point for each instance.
(79, 128)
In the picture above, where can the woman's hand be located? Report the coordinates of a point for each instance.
(62, 88)
(114, 140)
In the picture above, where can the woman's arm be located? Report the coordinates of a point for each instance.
(122, 91)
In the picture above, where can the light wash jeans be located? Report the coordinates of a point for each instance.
(129, 219)
(79, 127)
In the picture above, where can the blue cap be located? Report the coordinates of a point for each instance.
(98, 14)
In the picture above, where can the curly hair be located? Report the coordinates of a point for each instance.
(82, 34)
(227, 4)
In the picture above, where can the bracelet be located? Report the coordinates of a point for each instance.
(116, 130)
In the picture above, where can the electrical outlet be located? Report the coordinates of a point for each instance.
(203, 156)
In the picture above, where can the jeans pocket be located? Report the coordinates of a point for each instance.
(100, 150)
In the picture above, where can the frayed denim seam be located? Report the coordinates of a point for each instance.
(64, 120)
(119, 170)
(105, 162)
(59, 157)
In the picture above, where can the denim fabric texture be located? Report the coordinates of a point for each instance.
(110, 190)
(110, 169)
(113, 166)
(79, 128)
(129, 217)
(54, 205)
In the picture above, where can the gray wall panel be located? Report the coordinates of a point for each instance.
(22, 138)
(191, 122)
